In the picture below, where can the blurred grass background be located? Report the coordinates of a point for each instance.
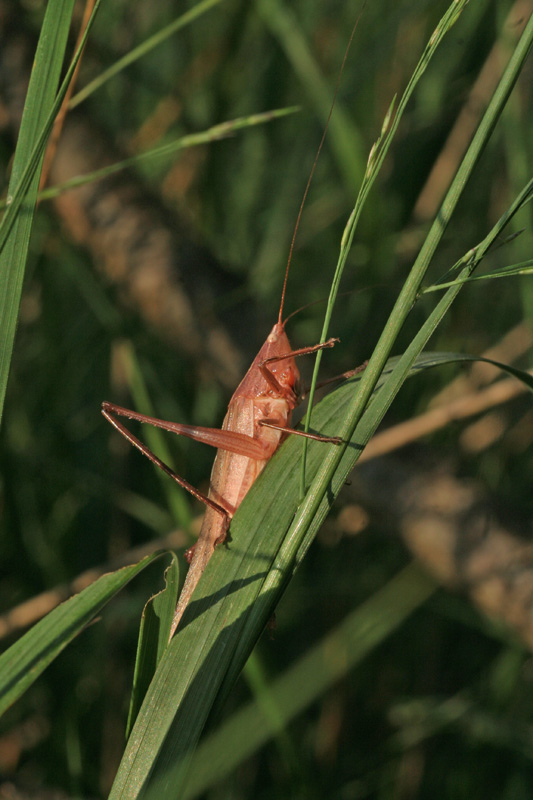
(181, 263)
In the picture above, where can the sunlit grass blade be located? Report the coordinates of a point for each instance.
(309, 677)
(374, 164)
(514, 270)
(142, 49)
(411, 288)
(327, 481)
(359, 428)
(153, 638)
(24, 661)
(40, 110)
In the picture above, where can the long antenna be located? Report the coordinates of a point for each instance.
(304, 198)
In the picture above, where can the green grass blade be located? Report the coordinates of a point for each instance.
(524, 268)
(428, 359)
(366, 424)
(38, 117)
(414, 280)
(153, 638)
(142, 49)
(307, 679)
(22, 663)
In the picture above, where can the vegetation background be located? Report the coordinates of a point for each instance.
(167, 277)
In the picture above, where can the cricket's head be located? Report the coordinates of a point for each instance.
(284, 370)
(271, 375)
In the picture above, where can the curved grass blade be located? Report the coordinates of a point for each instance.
(24, 661)
(154, 632)
(429, 359)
